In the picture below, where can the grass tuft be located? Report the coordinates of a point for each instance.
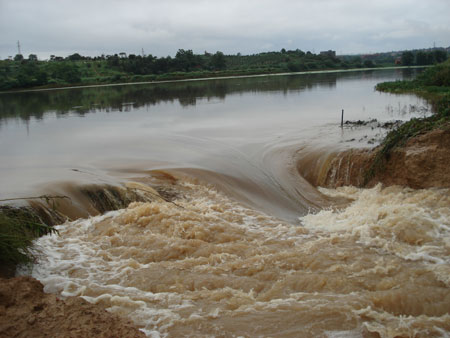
(18, 228)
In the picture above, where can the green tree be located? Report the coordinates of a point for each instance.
(218, 61)
(113, 60)
(41, 78)
(75, 57)
(422, 58)
(356, 61)
(407, 58)
(32, 57)
(185, 60)
(369, 64)
(18, 57)
(66, 72)
(439, 56)
(293, 67)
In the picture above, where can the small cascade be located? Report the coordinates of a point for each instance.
(324, 168)
(72, 202)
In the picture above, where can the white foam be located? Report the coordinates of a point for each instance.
(106, 259)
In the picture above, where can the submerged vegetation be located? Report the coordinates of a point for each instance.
(433, 85)
(20, 73)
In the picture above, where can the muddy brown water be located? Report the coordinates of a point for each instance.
(246, 247)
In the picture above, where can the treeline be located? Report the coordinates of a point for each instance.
(423, 58)
(26, 74)
(77, 69)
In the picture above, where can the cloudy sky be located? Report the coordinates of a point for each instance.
(161, 27)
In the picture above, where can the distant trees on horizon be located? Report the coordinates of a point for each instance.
(78, 69)
(422, 58)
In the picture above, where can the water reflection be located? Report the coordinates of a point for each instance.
(244, 129)
(126, 98)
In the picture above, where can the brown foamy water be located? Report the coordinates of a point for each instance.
(212, 267)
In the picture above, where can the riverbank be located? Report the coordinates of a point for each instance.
(27, 311)
(415, 154)
(187, 77)
(421, 163)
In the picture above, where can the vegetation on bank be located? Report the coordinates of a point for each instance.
(79, 70)
(433, 85)
(20, 73)
(18, 228)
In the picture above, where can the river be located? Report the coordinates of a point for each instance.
(245, 246)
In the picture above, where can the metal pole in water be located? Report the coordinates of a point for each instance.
(342, 119)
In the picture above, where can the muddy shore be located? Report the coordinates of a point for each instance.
(26, 311)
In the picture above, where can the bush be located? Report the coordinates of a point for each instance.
(438, 75)
(117, 78)
(293, 67)
(369, 64)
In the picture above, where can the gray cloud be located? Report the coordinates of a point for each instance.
(161, 27)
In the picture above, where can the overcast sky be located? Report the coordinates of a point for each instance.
(161, 27)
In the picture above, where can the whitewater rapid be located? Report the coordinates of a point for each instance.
(208, 266)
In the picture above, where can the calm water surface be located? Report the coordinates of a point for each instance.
(244, 128)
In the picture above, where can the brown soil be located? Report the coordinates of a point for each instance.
(26, 311)
(423, 162)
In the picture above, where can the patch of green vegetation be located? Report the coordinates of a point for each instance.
(435, 79)
(18, 228)
(433, 85)
(75, 69)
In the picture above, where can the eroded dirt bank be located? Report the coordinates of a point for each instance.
(423, 162)
(26, 311)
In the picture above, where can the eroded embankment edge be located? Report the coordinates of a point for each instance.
(422, 162)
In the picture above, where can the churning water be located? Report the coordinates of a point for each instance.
(210, 267)
(242, 245)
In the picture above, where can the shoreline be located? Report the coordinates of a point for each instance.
(420, 163)
(26, 310)
(415, 154)
(225, 77)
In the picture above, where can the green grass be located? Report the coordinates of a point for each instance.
(18, 228)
